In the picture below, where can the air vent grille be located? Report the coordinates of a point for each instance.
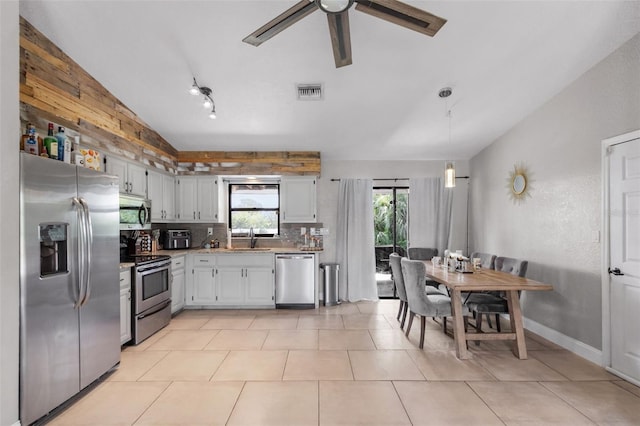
(309, 92)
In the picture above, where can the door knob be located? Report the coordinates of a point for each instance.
(615, 271)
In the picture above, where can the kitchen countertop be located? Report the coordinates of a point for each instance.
(274, 250)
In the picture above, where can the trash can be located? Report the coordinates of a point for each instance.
(331, 281)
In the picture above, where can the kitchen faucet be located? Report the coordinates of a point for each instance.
(252, 236)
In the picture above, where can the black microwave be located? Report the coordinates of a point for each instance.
(135, 213)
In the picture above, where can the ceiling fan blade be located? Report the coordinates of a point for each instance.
(402, 14)
(281, 22)
(340, 37)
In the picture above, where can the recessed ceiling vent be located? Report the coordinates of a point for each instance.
(309, 92)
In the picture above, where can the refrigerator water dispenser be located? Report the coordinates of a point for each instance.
(53, 249)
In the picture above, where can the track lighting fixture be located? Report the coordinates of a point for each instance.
(206, 92)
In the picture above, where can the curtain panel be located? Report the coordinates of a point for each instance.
(355, 241)
(429, 213)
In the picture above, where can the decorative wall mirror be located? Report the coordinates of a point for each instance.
(519, 183)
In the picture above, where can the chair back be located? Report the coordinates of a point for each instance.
(420, 303)
(487, 261)
(513, 266)
(422, 253)
(396, 273)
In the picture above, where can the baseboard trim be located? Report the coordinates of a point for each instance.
(577, 347)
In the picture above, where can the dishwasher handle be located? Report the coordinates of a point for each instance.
(294, 256)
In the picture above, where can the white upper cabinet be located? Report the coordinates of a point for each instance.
(133, 178)
(161, 190)
(198, 199)
(298, 199)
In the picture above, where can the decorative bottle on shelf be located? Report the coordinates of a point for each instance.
(31, 144)
(60, 136)
(51, 143)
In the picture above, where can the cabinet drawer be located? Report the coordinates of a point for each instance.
(125, 279)
(203, 259)
(245, 260)
(178, 263)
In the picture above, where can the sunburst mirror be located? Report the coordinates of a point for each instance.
(519, 183)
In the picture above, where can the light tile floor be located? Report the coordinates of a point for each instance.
(344, 365)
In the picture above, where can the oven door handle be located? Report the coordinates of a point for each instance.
(154, 268)
(155, 311)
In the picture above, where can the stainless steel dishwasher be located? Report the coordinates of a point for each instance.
(295, 280)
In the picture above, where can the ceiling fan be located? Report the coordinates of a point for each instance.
(338, 16)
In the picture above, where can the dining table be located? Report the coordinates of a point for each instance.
(480, 280)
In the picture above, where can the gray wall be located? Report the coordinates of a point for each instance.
(9, 175)
(327, 192)
(558, 227)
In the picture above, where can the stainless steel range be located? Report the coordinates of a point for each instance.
(151, 309)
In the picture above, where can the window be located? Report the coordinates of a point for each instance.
(254, 206)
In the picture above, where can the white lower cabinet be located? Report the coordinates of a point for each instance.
(125, 306)
(177, 283)
(228, 279)
(201, 287)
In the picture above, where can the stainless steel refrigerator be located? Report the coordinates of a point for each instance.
(69, 281)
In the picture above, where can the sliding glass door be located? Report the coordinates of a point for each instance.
(390, 223)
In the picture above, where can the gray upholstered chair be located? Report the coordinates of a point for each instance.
(422, 253)
(425, 253)
(396, 273)
(487, 261)
(421, 303)
(495, 303)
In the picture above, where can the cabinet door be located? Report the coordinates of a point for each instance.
(177, 290)
(118, 168)
(298, 199)
(187, 189)
(203, 286)
(230, 285)
(260, 286)
(207, 199)
(125, 316)
(156, 195)
(137, 177)
(125, 306)
(169, 197)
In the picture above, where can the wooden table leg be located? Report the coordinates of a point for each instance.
(459, 333)
(515, 316)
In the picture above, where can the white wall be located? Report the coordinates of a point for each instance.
(327, 192)
(9, 209)
(557, 228)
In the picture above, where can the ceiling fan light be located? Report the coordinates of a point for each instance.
(334, 6)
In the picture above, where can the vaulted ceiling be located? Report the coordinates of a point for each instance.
(503, 59)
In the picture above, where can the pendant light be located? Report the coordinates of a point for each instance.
(449, 167)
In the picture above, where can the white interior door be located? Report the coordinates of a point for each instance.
(624, 220)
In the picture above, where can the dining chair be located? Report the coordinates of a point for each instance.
(495, 303)
(487, 260)
(420, 302)
(424, 253)
(396, 275)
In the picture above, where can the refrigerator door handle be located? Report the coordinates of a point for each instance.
(81, 252)
(88, 249)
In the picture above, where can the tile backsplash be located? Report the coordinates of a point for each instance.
(289, 234)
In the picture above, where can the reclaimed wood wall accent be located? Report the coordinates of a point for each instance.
(249, 163)
(54, 88)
